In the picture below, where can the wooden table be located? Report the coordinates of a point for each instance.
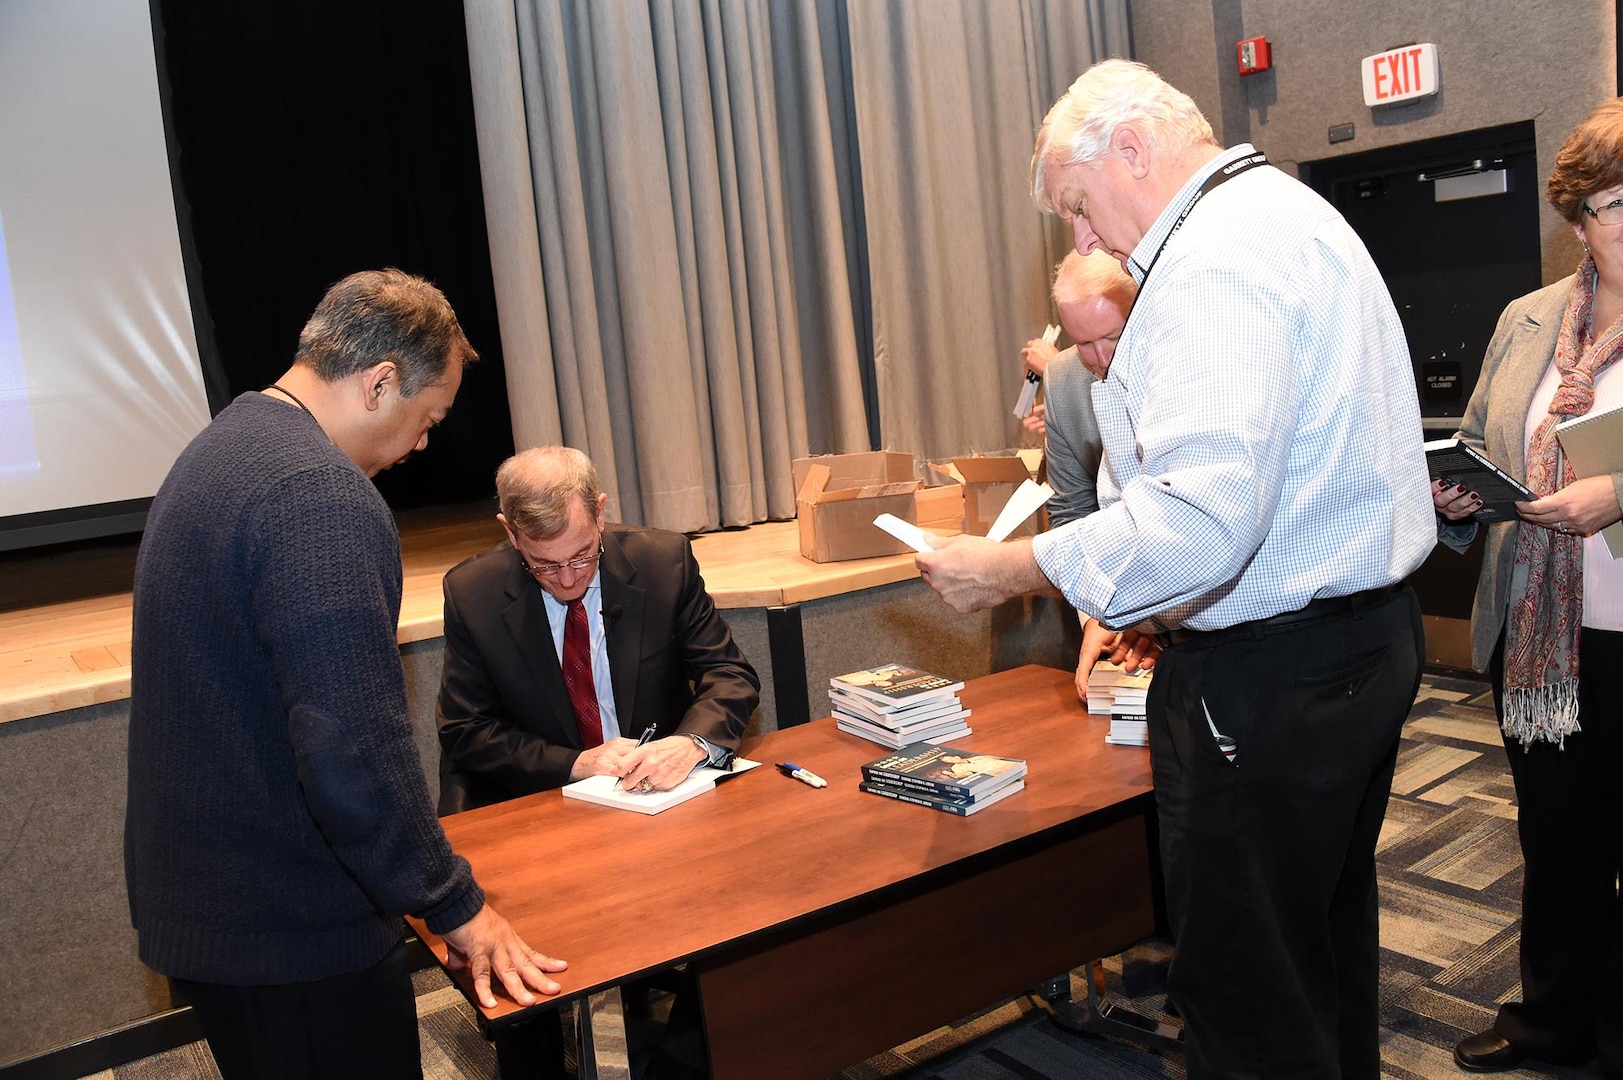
(761, 567)
(825, 926)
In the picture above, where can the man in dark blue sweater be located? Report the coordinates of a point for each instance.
(278, 820)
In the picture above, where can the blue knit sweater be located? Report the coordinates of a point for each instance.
(278, 821)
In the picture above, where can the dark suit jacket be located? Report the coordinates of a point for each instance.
(505, 723)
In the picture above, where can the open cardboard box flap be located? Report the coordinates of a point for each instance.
(838, 496)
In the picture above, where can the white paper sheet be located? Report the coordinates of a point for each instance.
(1021, 505)
(905, 531)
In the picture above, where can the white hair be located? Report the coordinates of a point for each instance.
(1108, 95)
(1080, 276)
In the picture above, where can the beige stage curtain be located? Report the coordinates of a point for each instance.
(949, 96)
(675, 194)
(671, 238)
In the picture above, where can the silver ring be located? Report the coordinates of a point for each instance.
(1561, 526)
(644, 786)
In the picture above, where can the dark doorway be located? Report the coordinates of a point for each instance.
(1452, 223)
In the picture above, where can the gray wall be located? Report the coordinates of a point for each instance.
(1549, 61)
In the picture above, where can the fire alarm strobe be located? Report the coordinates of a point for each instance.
(1254, 55)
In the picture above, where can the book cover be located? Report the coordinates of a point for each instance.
(896, 685)
(947, 770)
(963, 808)
(1594, 444)
(1455, 462)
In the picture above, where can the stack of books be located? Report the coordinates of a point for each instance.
(894, 705)
(1114, 693)
(944, 778)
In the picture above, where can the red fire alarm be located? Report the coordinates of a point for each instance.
(1254, 55)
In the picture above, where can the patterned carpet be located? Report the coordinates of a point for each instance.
(1450, 882)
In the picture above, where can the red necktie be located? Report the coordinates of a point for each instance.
(578, 676)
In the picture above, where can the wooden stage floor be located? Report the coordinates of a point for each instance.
(65, 610)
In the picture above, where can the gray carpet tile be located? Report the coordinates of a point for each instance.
(1450, 880)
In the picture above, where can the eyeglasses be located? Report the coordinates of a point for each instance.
(1610, 214)
(553, 569)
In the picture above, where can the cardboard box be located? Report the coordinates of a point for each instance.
(941, 508)
(838, 496)
(989, 481)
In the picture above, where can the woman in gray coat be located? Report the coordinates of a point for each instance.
(1548, 625)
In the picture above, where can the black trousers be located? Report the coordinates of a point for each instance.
(1570, 817)
(360, 1024)
(1269, 857)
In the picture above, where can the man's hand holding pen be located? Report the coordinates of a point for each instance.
(659, 764)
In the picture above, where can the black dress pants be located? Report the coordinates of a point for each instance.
(1269, 857)
(363, 1023)
(1570, 817)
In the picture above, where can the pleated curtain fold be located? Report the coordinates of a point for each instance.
(689, 200)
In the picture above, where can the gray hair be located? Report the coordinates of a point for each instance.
(379, 315)
(1080, 276)
(1109, 94)
(537, 488)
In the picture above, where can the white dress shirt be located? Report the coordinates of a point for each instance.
(601, 676)
(1261, 432)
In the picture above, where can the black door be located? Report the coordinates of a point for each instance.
(1452, 223)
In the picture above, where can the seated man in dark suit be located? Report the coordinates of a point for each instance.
(563, 645)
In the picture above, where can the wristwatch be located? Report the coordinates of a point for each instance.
(714, 756)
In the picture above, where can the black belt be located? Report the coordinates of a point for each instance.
(1325, 607)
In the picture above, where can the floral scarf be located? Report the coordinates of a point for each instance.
(1541, 640)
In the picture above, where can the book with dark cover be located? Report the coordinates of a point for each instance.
(894, 686)
(961, 807)
(943, 770)
(1457, 463)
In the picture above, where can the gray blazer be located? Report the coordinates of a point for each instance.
(1073, 447)
(1495, 422)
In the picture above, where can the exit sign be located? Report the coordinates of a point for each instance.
(1401, 74)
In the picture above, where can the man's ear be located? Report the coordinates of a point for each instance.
(602, 503)
(377, 382)
(1135, 150)
(508, 529)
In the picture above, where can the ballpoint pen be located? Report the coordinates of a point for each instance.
(642, 740)
(805, 776)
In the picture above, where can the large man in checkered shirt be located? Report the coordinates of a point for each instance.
(1264, 495)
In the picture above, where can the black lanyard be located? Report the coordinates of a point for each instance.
(1221, 176)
